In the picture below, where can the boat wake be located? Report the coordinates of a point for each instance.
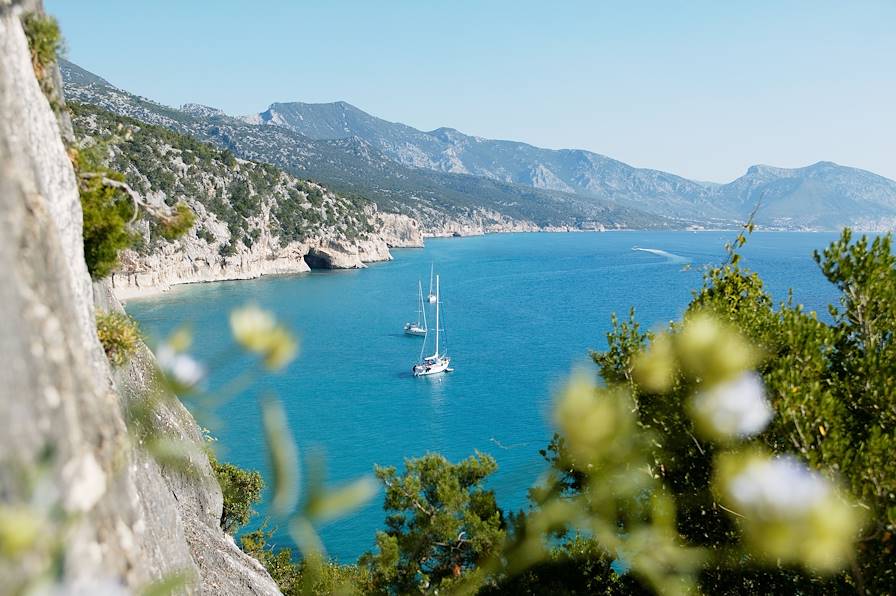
(670, 257)
(511, 446)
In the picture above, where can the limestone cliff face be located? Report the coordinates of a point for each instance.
(68, 465)
(399, 231)
(192, 259)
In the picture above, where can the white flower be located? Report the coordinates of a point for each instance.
(258, 331)
(735, 408)
(777, 488)
(179, 367)
(251, 327)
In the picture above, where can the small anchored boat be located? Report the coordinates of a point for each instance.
(437, 362)
(418, 328)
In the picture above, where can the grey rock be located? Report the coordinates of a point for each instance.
(125, 520)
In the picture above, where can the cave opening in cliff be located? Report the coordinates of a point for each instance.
(315, 261)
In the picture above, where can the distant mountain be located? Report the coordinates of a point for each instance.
(442, 202)
(823, 195)
(445, 178)
(449, 150)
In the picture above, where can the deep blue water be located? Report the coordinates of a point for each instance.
(521, 311)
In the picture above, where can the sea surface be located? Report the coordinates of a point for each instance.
(521, 311)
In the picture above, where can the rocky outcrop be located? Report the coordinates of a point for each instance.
(194, 260)
(399, 231)
(73, 480)
(335, 255)
(191, 260)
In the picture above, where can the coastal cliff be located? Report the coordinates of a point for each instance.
(251, 219)
(88, 509)
(193, 259)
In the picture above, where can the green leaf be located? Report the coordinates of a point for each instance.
(284, 457)
(340, 501)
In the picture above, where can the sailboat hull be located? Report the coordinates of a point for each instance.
(415, 331)
(432, 368)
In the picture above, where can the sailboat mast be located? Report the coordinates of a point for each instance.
(431, 269)
(437, 315)
(422, 306)
(420, 303)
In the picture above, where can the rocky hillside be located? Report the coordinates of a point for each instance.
(251, 219)
(442, 202)
(85, 509)
(821, 196)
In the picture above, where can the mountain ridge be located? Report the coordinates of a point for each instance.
(444, 203)
(444, 171)
(845, 195)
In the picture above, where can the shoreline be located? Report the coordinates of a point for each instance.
(126, 294)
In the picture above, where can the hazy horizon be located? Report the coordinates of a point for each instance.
(704, 91)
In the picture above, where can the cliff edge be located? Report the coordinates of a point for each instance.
(88, 508)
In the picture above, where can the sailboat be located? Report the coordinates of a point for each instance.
(432, 297)
(436, 363)
(418, 328)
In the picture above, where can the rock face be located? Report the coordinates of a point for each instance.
(193, 260)
(69, 467)
(399, 231)
(192, 525)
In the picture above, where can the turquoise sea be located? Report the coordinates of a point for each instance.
(521, 311)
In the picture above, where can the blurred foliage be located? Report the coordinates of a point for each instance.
(685, 421)
(44, 40)
(299, 505)
(118, 334)
(258, 332)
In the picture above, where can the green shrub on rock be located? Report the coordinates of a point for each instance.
(119, 335)
(44, 41)
(241, 490)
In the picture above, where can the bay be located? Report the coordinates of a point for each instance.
(521, 311)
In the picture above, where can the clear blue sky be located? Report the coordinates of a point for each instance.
(702, 89)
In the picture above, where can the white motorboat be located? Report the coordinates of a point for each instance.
(437, 362)
(418, 328)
